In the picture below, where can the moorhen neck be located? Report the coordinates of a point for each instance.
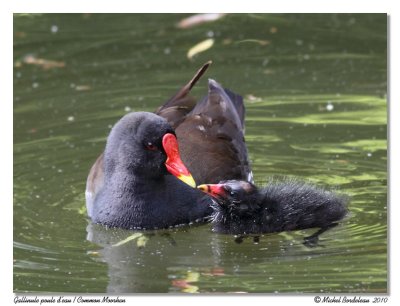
(138, 192)
(239, 207)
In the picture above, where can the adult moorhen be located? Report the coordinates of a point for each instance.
(240, 208)
(129, 185)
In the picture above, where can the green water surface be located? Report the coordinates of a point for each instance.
(315, 92)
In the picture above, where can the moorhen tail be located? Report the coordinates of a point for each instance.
(138, 193)
(211, 141)
(239, 207)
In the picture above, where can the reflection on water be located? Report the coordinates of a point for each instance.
(179, 261)
(315, 93)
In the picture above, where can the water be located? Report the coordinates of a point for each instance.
(315, 93)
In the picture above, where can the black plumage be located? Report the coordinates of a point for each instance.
(239, 207)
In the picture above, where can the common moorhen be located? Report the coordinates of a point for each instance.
(129, 185)
(239, 207)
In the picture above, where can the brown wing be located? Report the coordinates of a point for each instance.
(211, 138)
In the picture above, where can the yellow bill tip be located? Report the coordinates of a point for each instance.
(187, 179)
(202, 187)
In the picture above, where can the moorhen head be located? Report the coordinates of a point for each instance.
(145, 145)
(239, 207)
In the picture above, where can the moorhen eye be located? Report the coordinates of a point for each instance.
(150, 146)
(232, 193)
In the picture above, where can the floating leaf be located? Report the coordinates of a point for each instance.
(130, 238)
(45, 64)
(20, 34)
(200, 47)
(191, 289)
(185, 284)
(198, 19)
(141, 242)
(93, 253)
(273, 30)
(82, 87)
(268, 71)
(216, 271)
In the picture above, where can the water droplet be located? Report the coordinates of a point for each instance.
(71, 118)
(127, 109)
(329, 107)
(54, 29)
